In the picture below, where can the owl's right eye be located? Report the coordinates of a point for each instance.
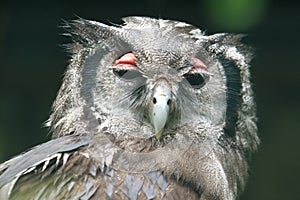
(127, 74)
(125, 67)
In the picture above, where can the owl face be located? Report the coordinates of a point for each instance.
(157, 76)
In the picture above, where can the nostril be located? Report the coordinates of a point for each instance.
(169, 102)
(154, 100)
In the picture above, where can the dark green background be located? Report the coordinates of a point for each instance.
(32, 65)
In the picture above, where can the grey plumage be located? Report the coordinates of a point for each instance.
(153, 109)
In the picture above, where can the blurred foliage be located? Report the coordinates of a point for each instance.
(235, 15)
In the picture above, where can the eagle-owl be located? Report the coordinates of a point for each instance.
(152, 109)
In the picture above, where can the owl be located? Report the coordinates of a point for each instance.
(151, 109)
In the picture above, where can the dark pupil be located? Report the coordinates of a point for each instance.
(127, 74)
(119, 73)
(196, 80)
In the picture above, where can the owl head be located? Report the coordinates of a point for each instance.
(151, 78)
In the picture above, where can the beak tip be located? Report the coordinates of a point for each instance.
(158, 134)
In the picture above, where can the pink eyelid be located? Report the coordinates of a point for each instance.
(128, 58)
(198, 64)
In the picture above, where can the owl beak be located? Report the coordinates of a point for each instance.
(160, 108)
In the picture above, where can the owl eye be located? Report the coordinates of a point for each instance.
(125, 67)
(198, 76)
(196, 80)
(127, 74)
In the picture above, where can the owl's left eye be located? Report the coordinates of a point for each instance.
(125, 67)
(196, 80)
(198, 76)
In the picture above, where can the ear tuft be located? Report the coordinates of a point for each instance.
(218, 43)
(85, 32)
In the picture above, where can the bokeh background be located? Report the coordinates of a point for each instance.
(32, 63)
